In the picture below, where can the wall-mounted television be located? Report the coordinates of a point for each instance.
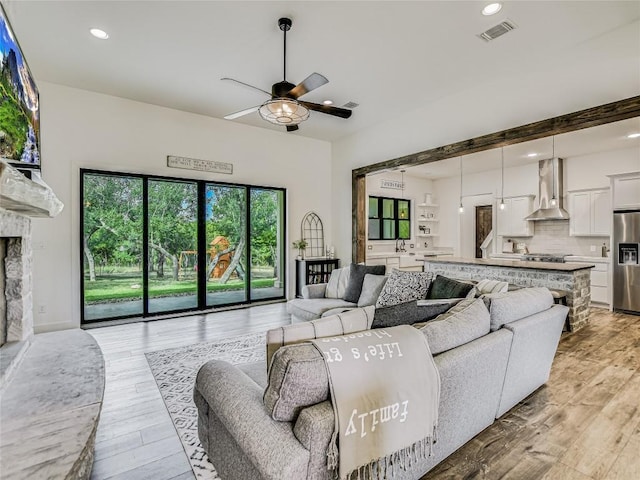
(19, 103)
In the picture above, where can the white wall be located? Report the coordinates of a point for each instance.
(580, 172)
(415, 190)
(82, 129)
(515, 98)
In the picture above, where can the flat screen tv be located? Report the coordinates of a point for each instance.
(19, 103)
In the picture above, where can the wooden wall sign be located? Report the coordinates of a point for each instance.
(394, 184)
(201, 165)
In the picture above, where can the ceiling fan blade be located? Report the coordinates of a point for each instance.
(312, 82)
(292, 128)
(241, 113)
(328, 109)
(245, 84)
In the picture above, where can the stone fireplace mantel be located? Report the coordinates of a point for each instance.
(24, 196)
(20, 199)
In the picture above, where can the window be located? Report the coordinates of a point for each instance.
(389, 218)
(154, 245)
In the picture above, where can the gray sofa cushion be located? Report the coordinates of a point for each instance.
(338, 281)
(371, 288)
(297, 379)
(310, 309)
(403, 287)
(463, 323)
(406, 313)
(511, 306)
(444, 287)
(356, 277)
(351, 321)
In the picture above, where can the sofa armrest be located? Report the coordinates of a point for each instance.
(314, 428)
(316, 290)
(533, 348)
(236, 401)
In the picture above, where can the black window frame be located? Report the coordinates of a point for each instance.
(379, 220)
(145, 315)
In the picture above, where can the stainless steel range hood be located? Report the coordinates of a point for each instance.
(550, 198)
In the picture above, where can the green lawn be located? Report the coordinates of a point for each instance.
(121, 287)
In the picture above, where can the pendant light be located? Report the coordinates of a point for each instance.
(502, 181)
(553, 170)
(461, 208)
(402, 213)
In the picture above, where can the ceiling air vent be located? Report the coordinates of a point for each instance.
(497, 31)
(351, 105)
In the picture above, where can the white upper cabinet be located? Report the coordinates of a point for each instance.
(626, 191)
(511, 220)
(590, 213)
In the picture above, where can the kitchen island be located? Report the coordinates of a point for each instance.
(574, 278)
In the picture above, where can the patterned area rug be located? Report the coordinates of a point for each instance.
(175, 372)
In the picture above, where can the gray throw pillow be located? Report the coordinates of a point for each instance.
(356, 277)
(371, 288)
(443, 287)
(297, 379)
(462, 324)
(403, 287)
(337, 284)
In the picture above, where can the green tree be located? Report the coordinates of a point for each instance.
(112, 218)
(172, 222)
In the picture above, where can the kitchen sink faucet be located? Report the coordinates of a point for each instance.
(400, 248)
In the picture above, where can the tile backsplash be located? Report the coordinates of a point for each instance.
(552, 236)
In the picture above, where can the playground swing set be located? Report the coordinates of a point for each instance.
(220, 258)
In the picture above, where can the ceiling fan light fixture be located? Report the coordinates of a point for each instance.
(283, 111)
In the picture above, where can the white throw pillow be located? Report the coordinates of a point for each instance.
(491, 286)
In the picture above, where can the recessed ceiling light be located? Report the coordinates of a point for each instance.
(531, 155)
(328, 102)
(101, 34)
(633, 135)
(492, 9)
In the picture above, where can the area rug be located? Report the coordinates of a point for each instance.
(175, 372)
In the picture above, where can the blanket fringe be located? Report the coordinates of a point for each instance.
(385, 467)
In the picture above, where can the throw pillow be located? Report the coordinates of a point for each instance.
(337, 284)
(297, 379)
(443, 287)
(465, 322)
(356, 277)
(403, 287)
(508, 307)
(348, 322)
(371, 288)
(407, 313)
(491, 286)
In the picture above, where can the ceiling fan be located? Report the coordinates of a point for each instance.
(284, 107)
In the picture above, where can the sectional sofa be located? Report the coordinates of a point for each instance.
(490, 354)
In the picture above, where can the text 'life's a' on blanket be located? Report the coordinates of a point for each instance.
(385, 391)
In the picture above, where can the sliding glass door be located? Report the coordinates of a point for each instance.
(112, 243)
(172, 239)
(267, 238)
(155, 245)
(226, 214)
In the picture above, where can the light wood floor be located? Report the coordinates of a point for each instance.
(584, 424)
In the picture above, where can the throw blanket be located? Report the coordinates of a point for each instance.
(385, 390)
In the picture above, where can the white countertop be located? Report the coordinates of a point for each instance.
(581, 258)
(416, 253)
(568, 258)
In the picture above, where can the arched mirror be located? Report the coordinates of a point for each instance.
(313, 233)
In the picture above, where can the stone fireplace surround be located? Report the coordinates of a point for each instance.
(51, 384)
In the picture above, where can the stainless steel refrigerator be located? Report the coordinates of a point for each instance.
(626, 261)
